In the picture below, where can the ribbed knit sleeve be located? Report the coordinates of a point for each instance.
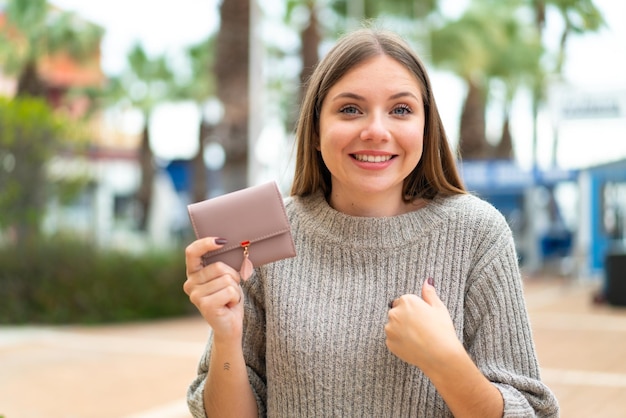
(195, 399)
(254, 337)
(497, 332)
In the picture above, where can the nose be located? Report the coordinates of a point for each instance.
(375, 128)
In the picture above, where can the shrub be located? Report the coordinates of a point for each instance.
(31, 133)
(69, 281)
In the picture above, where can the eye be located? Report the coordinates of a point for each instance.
(349, 110)
(402, 109)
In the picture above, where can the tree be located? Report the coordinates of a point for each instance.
(578, 17)
(310, 38)
(199, 86)
(25, 150)
(515, 63)
(463, 46)
(488, 42)
(362, 10)
(231, 66)
(34, 32)
(144, 84)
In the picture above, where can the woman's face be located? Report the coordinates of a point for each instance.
(371, 131)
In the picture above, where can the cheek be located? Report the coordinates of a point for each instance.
(331, 150)
(414, 141)
(333, 137)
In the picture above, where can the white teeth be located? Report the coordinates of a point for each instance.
(372, 158)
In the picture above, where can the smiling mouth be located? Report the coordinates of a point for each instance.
(372, 158)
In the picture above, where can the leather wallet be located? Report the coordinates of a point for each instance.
(254, 222)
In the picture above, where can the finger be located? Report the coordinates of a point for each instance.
(195, 251)
(207, 300)
(230, 295)
(218, 272)
(408, 298)
(223, 290)
(429, 293)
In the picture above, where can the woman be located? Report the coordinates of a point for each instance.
(405, 297)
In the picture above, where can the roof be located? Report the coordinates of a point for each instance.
(63, 71)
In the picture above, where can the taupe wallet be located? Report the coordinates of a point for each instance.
(254, 222)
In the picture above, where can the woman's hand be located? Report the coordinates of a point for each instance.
(420, 330)
(214, 290)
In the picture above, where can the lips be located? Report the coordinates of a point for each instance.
(372, 158)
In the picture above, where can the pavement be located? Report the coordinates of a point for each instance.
(142, 370)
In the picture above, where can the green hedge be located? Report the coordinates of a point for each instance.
(65, 281)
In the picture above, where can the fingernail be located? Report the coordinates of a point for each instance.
(221, 241)
(431, 281)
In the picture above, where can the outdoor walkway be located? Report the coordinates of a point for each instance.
(142, 370)
(581, 348)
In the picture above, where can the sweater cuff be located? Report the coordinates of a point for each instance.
(195, 397)
(516, 405)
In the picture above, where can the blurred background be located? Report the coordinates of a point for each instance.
(164, 104)
(154, 105)
(115, 115)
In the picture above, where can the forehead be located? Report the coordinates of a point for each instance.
(381, 73)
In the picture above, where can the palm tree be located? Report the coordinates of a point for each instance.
(464, 46)
(231, 66)
(361, 10)
(34, 31)
(199, 87)
(516, 63)
(144, 84)
(578, 17)
(310, 38)
(488, 42)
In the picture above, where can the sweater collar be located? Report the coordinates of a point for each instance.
(368, 232)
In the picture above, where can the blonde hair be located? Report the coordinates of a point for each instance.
(436, 172)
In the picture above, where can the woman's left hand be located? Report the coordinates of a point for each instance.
(420, 330)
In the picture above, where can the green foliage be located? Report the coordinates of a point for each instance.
(43, 31)
(30, 134)
(145, 83)
(199, 84)
(375, 8)
(62, 280)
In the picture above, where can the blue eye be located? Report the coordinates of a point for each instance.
(401, 110)
(350, 110)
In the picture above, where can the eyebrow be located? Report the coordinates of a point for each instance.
(355, 96)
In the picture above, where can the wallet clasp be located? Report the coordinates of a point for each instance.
(246, 266)
(245, 245)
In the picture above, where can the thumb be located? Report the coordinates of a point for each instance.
(429, 294)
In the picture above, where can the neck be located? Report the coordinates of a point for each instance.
(371, 205)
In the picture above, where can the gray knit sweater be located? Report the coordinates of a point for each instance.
(314, 337)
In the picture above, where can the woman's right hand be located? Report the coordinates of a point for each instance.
(214, 290)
